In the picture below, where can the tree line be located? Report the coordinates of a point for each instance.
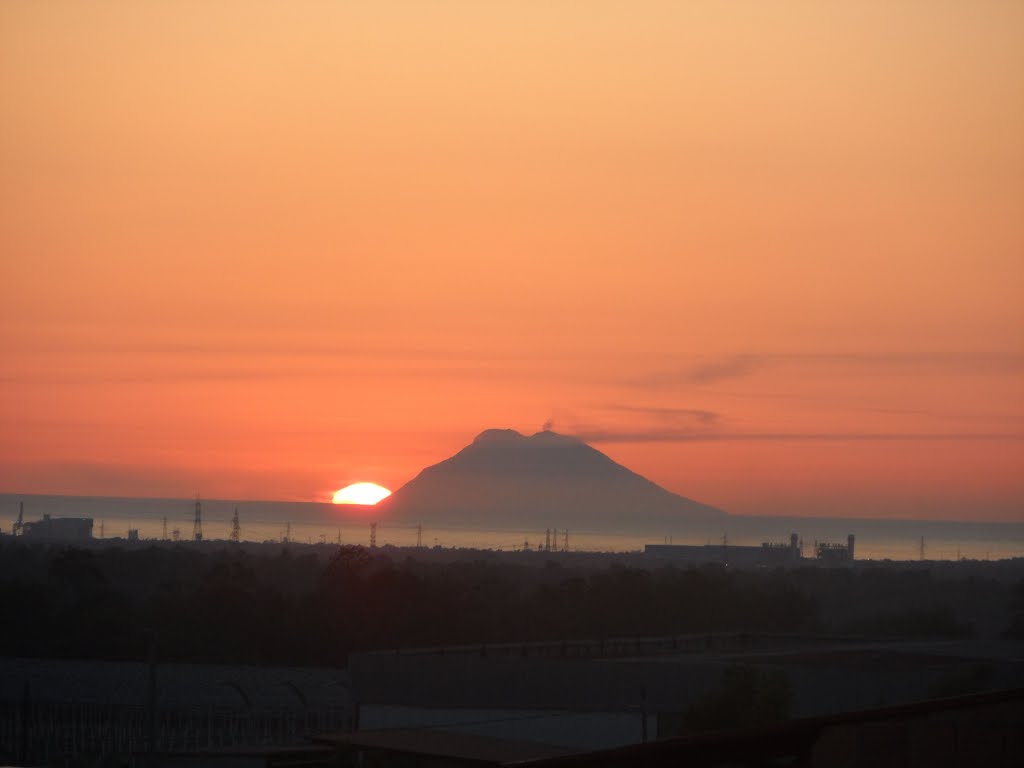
(297, 608)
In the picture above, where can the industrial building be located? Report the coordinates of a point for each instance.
(768, 554)
(59, 529)
(832, 554)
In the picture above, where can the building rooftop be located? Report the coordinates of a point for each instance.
(454, 745)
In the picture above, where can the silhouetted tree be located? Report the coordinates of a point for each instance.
(748, 697)
(299, 606)
(1015, 628)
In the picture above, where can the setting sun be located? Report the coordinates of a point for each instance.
(361, 493)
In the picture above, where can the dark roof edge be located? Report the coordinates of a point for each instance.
(804, 729)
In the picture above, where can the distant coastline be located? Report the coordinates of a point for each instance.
(312, 522)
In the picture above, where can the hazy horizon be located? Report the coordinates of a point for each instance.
(314, 522)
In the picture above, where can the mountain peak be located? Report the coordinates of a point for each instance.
(505, 477)
(497, 435)
(544, 437)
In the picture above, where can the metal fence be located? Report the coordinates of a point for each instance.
(33, 733)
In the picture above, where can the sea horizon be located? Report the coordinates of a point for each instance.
(263, 520)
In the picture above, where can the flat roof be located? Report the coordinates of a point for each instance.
(749, 746)
(441, 743)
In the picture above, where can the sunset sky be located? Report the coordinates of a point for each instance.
(769, 255)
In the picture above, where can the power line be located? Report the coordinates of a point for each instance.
(197, 523)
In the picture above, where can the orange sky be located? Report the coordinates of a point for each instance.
(769, 255)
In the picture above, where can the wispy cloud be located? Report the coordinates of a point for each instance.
(667, 413)
(141, 374)
(709, 371)
(601, 435)
(729, 368)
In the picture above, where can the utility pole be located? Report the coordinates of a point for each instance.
(643, 714)
(25, 716)
(236, 528)
(419, 536)
(151, 695)
(197, 523)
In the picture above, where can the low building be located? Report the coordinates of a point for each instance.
(59, 529)
(972, 730)
(603, 694)
(770, 554)
(572, 704)
(428, 746)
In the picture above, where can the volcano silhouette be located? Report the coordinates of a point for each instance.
(506, 478)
